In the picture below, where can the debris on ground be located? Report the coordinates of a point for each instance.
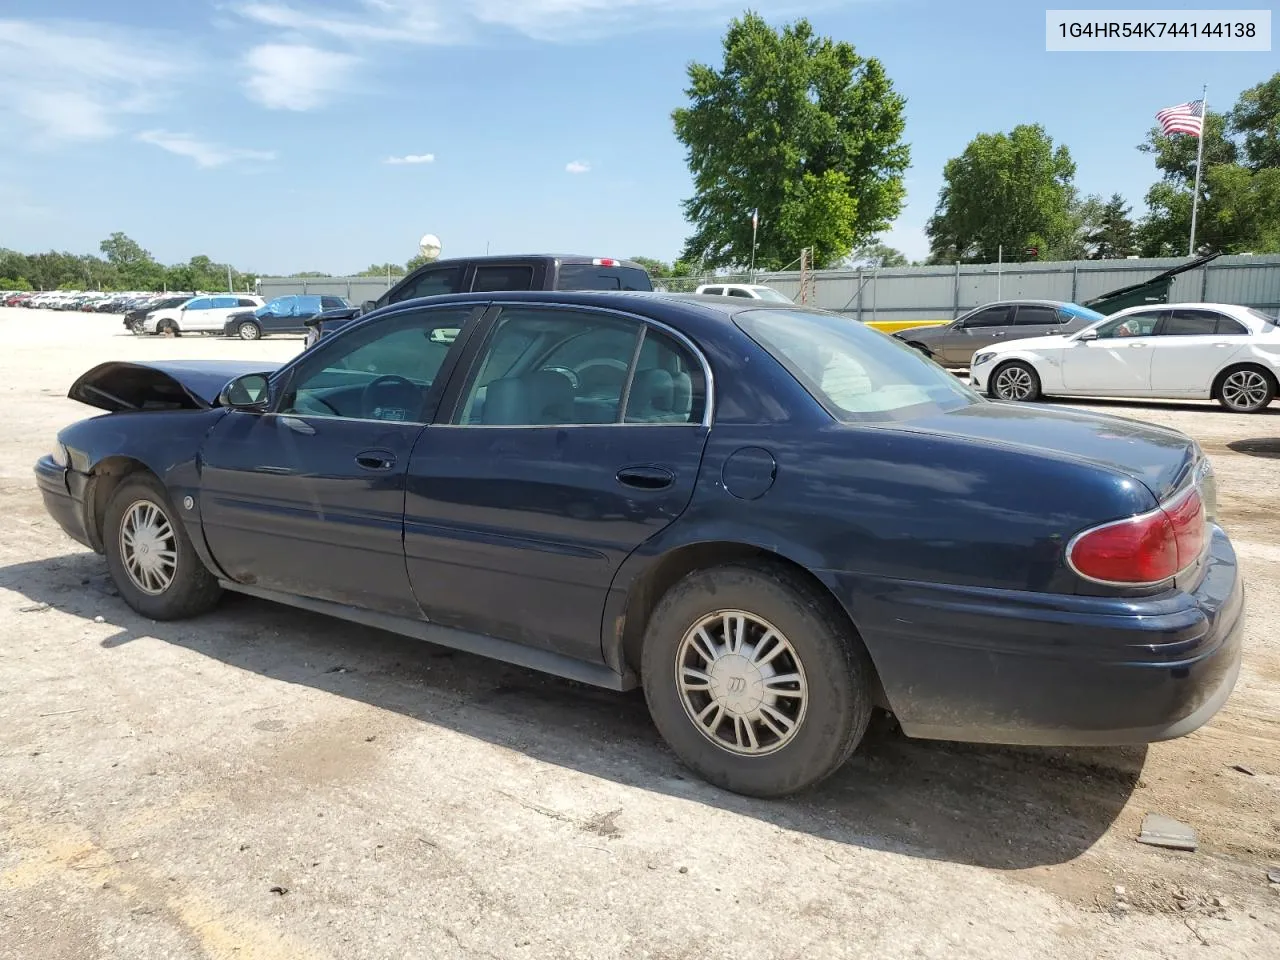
(1161, 831)
(34, 608)
(1274, 874)
(279, 890)
(1241, 768)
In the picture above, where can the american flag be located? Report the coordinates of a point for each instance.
(1184, 118)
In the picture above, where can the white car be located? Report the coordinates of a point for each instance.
(1210, 351)
(750, 291)
(203, 314)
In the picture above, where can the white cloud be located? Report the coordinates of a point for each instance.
(448, 21)
(577, 166)
(203, 153)
(295, 76)
(412, 158)
(69, 80)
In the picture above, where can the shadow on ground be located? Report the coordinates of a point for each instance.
(1006, 808)
(1120, 405)
(1268, 447)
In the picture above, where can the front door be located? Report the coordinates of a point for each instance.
(308, 499)
(1117, 362)
(980, 329)
(565, 449)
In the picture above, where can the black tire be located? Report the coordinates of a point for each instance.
(192, 590)
(1246, 389)
(836, 666)
(1024, 373)
(248, 330)
(167, 328)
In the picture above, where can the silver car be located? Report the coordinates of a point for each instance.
(954, 344)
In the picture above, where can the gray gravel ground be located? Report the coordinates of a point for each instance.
(264, 783)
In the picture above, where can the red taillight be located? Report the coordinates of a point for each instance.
(604, 262)
(1146, 549)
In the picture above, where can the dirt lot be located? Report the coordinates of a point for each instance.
(264, 783)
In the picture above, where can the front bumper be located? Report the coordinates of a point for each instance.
(66, 508)
(999, 666)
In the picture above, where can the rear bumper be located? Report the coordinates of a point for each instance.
(62, 505)
(993, 666)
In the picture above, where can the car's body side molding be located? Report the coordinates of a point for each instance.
(545, 661)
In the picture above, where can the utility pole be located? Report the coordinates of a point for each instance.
(1195, 197)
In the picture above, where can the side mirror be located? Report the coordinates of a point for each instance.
(368, 305)
(1086, 335)
(251, 392)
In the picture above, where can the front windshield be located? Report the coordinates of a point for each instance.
(857, 374)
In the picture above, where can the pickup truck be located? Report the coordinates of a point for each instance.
(493, 274)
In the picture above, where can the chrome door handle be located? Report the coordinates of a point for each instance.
(1135, 346)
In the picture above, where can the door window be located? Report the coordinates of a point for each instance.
(1134, 325)
(667, 386)
(224, 303)
(1034, 315)
(739, 292)
(431, 283)
(547, 366)
(389, 371)
(500, 277)
(713, 291)
(1198, 323)
(990, 317)
(203, 303)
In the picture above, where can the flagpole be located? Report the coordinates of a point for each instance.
(1195, 197)
(755, 224)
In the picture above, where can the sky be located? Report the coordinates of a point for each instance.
(289, 135)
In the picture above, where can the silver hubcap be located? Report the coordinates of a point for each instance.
(1013, 383)
(149, 548)
(249, 332)
(1244, 389)
(741, 683)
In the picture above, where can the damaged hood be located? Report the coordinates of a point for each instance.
(129, 385)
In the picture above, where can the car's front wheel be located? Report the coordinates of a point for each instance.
(755, 679)
(1014, 380)
(167, 328)
(150, 556)
(248, 330)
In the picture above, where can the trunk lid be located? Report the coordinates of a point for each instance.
(1159, 458)
(133, 385)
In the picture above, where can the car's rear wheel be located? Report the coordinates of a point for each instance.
(248, 330)
(1014, 380)
(1246, 390)
(150, 556)
(754, 678)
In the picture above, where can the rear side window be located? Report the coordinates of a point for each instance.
(499, 277)
(587, 276)
(713, 292)
(1198, 323)
(332, 303)
(1036, 316)
(246, 302)
(222, 303)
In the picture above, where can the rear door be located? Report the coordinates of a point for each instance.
(1190, 347)
(601, 274)
(576, 436)
(1034, 320)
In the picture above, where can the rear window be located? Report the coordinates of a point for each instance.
(587, 276)
(502, 277)
(857, 374)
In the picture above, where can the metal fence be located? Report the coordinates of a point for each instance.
(936, 293)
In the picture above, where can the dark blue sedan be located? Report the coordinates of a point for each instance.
(773, 519)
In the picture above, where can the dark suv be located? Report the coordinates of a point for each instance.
(287, 314)
(495, 274)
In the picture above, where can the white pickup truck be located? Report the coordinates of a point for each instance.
(750, 291)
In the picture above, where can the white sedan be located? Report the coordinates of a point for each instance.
(1174, 351)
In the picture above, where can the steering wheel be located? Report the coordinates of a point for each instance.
(400, 392)
(573, 377)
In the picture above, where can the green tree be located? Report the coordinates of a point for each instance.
(1113, 235)
(414, 262)
(799, 127)
(878, 255)
(1013, 190)
(381, 270)
(656, 268)
(1255, 119)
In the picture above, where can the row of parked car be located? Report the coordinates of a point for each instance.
(80, 300)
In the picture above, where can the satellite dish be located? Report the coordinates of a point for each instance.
(429, 246)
